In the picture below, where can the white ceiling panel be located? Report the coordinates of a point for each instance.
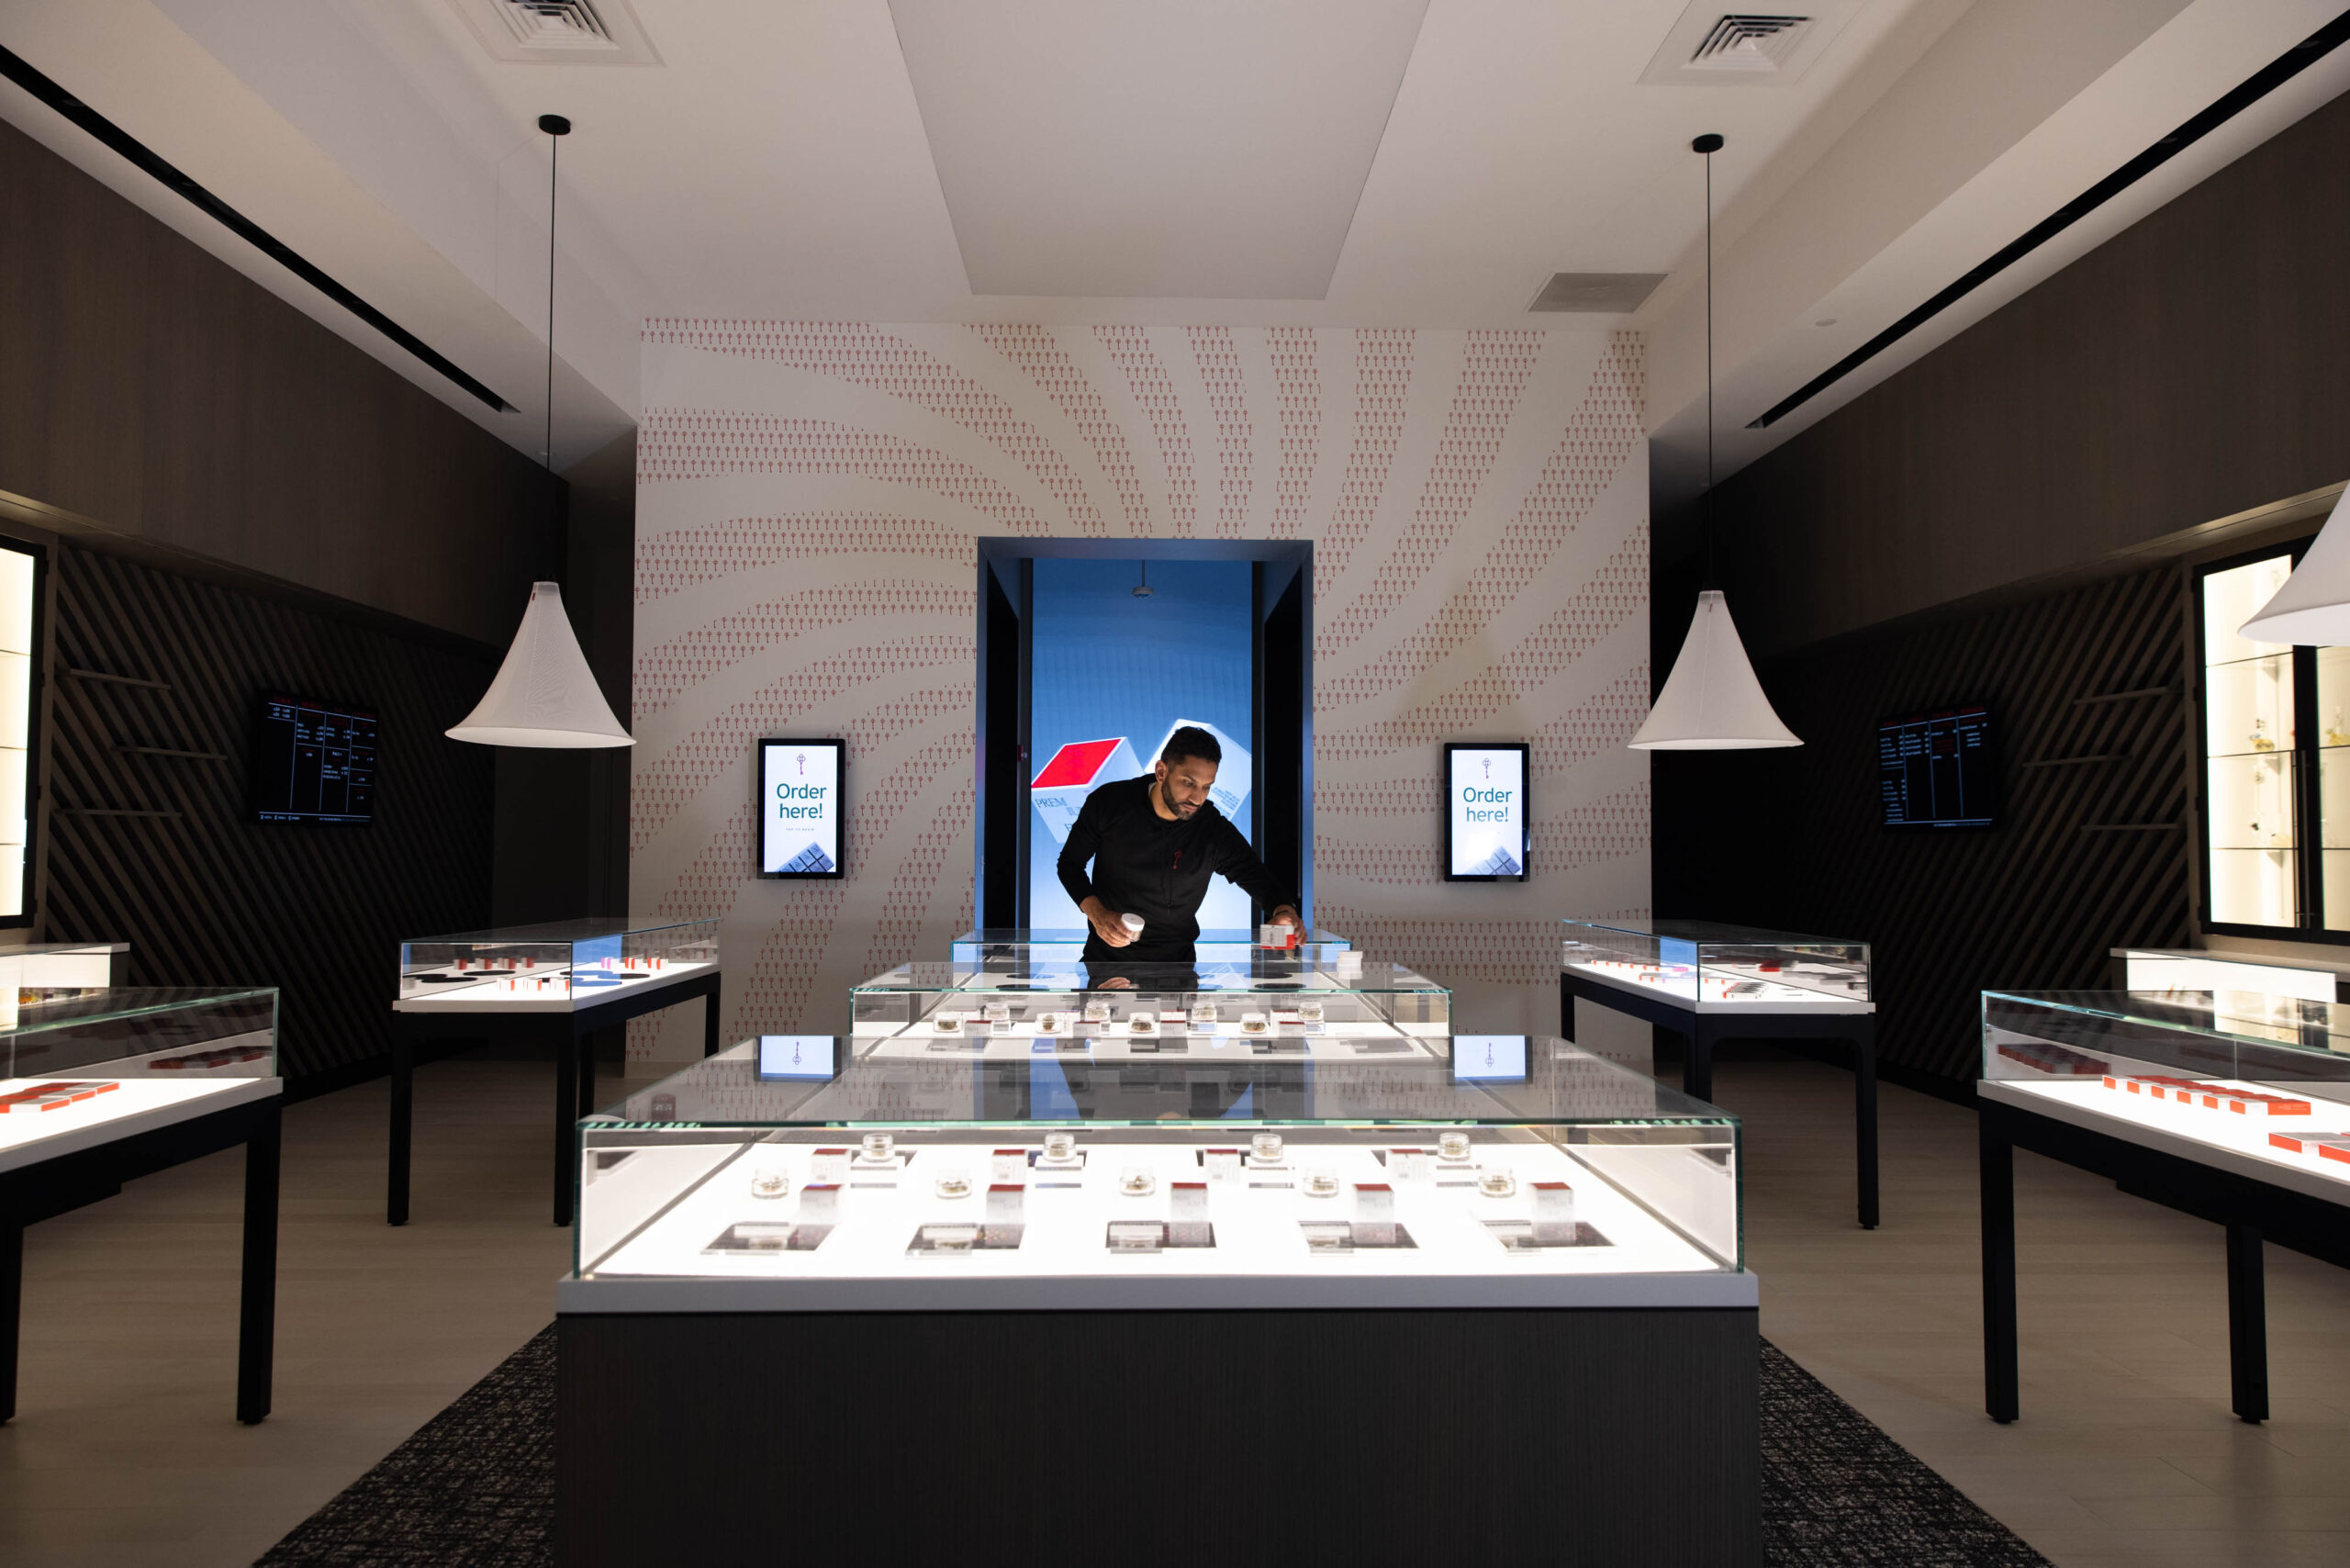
(1212, 149)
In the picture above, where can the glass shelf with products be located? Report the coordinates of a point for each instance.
(553, 967)
(1270, 1006)
(97, 1063)
(2248, 1080)
(961, 1182)
(2260, 760)
(1710, 967)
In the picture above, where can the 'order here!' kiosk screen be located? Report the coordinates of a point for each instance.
(800, 808)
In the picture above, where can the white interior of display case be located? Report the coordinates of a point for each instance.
(134, 1106)
(1681, 986)
(2225, 1139)
(1261, 1259)
(1176, 1040)
(536, 991)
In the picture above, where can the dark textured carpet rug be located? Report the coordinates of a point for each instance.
(475, 1488)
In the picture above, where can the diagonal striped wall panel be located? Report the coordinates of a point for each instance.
(209, 897)
(1791, 839)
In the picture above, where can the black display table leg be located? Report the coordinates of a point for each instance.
(1697, 1062)
(12, 1294)
(1865, 1119)
(257, 1294)
(1566, 1010)
(567, 1092)
(2247, 1324)
(2000, 1395)
(708, 1021)
(403, 1118)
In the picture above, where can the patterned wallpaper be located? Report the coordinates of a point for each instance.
(808, 498)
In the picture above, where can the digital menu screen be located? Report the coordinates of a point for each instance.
(313, 762)
(1938, 769)
(1486, 831)
(797, 1057)
(798, 808)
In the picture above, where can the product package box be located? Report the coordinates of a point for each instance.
(1074, 772)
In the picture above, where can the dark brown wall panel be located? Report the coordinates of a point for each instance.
(154, 389)
(1791, 839)
(2188, 369)
(208, 898)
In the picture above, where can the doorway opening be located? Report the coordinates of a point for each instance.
(1091, 652)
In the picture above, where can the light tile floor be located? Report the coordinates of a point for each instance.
(2126, 1451)
(124, 1454)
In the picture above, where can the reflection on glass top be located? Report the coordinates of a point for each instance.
(1270, 971)
(563, 930)
(1711, 931)
(16, 949)
(1561, 1084)
(85, 1007)
(1215, 936)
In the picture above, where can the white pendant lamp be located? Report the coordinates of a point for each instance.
(2314, 604)
(544, 694)
(1711, 702)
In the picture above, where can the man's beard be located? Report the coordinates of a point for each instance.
(1167, 796)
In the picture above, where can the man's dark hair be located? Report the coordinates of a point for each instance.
(1190, 741)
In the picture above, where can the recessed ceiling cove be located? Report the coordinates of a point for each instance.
(1154, 149)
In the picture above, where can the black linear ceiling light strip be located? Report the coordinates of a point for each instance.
(2253, 88)
(14, 69)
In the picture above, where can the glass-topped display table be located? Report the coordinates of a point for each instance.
(559, 982)
(1268, 1006)
(996, 946)
(1356, 1261)
(1707, 982)
(99, 1087)
(2230, 1106)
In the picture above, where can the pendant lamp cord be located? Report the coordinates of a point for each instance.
(555, 155)
(1705, 502)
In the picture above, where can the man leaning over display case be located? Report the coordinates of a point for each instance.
(1154, 841)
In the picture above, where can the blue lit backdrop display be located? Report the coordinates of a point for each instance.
(1111, 675)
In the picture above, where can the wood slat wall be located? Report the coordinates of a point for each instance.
(1791, 839)
(207, 897)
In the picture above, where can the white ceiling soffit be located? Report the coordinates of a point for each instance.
(1212, 150)
(1766, 46)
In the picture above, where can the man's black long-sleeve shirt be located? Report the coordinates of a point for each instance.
(1147, 866)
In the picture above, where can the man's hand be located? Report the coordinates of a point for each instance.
(1107, 924)
(1286, 915)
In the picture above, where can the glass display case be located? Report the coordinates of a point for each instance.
(550, 966)
(1014, 946)
(2197, 969)
(2249, 1079)
(798, 1162)
(1268, 1005)
(2251, 752)
(1710, 967)
(78, 1061)
(33, 974)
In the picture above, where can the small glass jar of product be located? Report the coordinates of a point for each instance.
(1497, 1185)
(1256, 1024)
(1061, 1147)
(1320, 1182)
(1097, 1012)
(1142, 1023)
(1204, 1016)
(998, 1012)
(879, 1148)
(770, 1181)
(1310, 1012)
(1452, 1148)
(1135, 1181)
(953, 1183)
(1266, 1148)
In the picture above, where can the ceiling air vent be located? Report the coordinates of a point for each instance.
(1709, 47)
(1597, 294)
(559, 32)
(1750, 43)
